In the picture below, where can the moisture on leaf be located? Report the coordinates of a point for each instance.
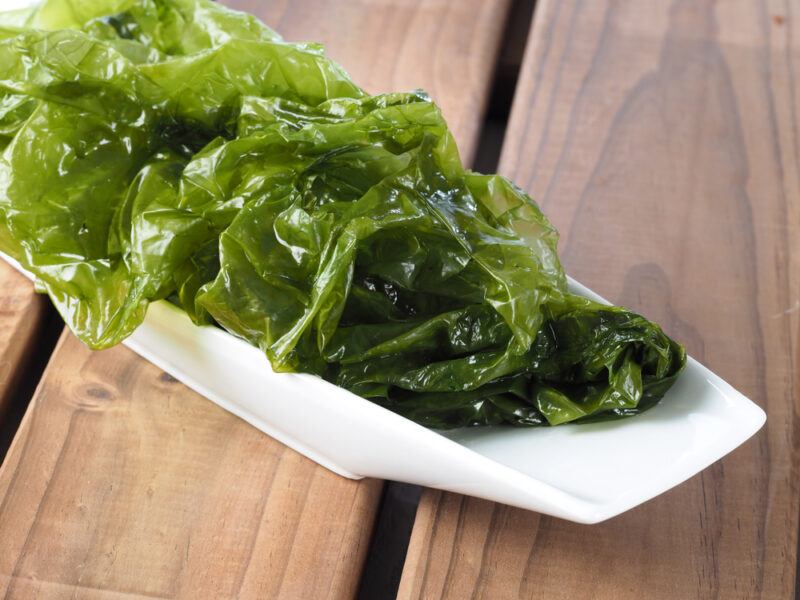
(175, 149)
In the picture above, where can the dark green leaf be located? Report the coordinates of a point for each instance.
(176, 149)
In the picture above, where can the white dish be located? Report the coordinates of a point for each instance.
(591, 472)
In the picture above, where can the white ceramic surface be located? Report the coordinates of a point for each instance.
(584, 473)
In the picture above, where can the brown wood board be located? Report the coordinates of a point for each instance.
(123, 483)
(662, 140)
(447, 48)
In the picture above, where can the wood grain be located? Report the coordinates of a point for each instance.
(122, 483)
(662, 140)
(122, 480)
(22, 314)
(447, 48)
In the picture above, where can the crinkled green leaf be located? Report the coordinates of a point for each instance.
(176, 149)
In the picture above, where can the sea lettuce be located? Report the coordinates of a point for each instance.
(175, 149)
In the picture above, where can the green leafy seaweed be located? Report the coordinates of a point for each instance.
(176, 149)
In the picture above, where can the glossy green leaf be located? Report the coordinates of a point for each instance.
(176, 149)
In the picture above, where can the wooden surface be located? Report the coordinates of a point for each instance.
(21, 316)
(122, 483)
(447, 48)
(662, 140)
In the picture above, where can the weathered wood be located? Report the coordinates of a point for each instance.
(123, 483)
(22, 313)
(447, 48)
(661, 138)
(123, 480)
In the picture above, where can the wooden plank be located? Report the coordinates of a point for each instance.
(123, 483)
(661, 138)
(123, 480)
(22, 314)
(447, 48)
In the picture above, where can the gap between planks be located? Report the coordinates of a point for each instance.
(24, 348)
(123, 482)
(389, 546)
(673, 126)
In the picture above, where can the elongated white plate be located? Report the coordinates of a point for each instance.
(584, 473)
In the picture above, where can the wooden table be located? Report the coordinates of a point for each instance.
(661, 138)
